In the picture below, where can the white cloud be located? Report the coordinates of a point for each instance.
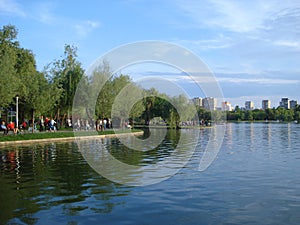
(293, 44)
(237, 16)
(85, 27)
(229, 15)
(219, 42)
(41, 11)
(45, 14)
(12, 8)
(245, 36)
(266, 81)
(238, 78)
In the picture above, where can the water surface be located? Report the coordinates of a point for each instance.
(255, 179)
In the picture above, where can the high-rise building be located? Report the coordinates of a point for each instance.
(197, 101)
(266, 104)
(226, 106)
(249, 105)
(285, 103)
(293, 104)
(209, 103)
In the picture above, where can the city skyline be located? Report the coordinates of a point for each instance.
(248, 105)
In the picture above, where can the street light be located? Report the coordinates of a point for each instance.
(17, 111)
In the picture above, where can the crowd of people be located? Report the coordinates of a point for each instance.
(98, 125)
(50, 124)
(28, 125)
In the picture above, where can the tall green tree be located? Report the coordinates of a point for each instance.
(39, 98)
(128, 102)
(297, 113)
(8, 59)
(67, 72)
(26, 72)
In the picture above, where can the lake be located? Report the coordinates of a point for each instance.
(254, 179)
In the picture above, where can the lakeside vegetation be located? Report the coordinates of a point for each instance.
(273, 114)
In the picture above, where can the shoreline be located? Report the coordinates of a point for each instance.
(67, 139)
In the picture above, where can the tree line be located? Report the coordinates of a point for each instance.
(40, 92)
(51, 92)
(272, 114)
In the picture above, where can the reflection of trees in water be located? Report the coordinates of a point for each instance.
(135, 157)
(39, 177)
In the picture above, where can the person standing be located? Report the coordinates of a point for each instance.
(52, 124)
(104, 123)
(41, 123)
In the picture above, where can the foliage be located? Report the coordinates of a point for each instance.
(280, 114)
(21, 78)
(8, 62)
(65, 75)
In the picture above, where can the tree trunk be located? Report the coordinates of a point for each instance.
(122, 123)
(32, 120)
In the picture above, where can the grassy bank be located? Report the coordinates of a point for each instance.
(57, 134)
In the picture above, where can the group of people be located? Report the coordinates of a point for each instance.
(86, 124)
(47, 124)
(6, 127)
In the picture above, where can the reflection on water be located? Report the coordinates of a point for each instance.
(136, 166)
(51, 177)
(255, 179)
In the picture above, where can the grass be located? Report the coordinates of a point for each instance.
(57, 134)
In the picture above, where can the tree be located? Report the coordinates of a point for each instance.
(249, 115)
(270, 114)
(67, 73)
(8, 59)
(283, 114)
(101, 89)
(137, 111)
(297, 113)
(150, 103)
(26, 72)
(127, 102)
(39, 98)
(259, 114)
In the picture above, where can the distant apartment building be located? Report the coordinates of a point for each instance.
(209, 103)
(293, 104)
(266, 104)
(226, 106)
(285, 103)
(197, 101)
(249, 105)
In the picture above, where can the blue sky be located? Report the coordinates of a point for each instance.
(252, 47)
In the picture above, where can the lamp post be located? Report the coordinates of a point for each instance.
(17, 111)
